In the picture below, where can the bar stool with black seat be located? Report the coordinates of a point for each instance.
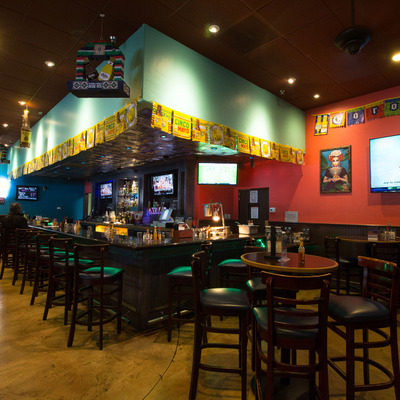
(345, 269)
(296, 324)
(42, 266)
(99, 286)
(228, 302)
(59, 292)
(374, 312)
(180, 288)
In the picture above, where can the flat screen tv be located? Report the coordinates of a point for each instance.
(106, 190)
(384, 164)
(217, 174)
(27, 193)
(163, 185)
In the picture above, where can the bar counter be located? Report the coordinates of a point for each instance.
(145, 290)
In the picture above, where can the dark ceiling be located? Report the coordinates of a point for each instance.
(264, 41)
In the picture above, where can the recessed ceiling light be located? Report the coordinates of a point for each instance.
(214, 28)
(316, 96)
(50, 63)
(5, 125)
(291, 81)
(128, 148)
(22, 102)
(396, 57)
(6, 145)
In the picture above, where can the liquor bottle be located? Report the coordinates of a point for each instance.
(25, 131)
(301, 253)
(155, 235)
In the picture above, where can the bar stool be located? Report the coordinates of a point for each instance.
(61, 277)
(180, 288)
(345, 267)
(29, 259)
(374, 310)
(232, 271)
(9, 249)
(218, 302)
(42, 266)
(293, 324)
(97, 286)
(20, 254)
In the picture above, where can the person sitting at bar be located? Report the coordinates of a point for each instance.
(15, 218)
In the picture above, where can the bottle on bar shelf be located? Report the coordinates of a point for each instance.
(301, 253)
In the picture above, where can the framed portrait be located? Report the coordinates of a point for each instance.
(335, 170)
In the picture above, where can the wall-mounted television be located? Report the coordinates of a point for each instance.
(27, 193)
(384, 164)
(217, 173)
(106, 190)
(163, 184)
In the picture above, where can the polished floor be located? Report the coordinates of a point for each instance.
(35, 362)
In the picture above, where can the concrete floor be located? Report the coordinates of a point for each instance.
(35, 362)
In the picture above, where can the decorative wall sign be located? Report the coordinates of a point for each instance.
(109, 82)
(335, 170)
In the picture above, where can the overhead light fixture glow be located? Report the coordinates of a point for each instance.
(214, 28)
(50, 63)
(396, 57)
(316, 96)
(291, 81)
(5, 125)
(22, 102)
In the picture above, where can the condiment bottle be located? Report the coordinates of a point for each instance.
(301, 253)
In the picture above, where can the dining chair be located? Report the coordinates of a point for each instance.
(99, 287)
(227, 302)
(389, 251)
(373, 312)
(293, 324)
(9, 249)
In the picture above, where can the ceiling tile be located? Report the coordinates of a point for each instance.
(247, 35)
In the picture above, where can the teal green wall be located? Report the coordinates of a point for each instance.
(184, 80)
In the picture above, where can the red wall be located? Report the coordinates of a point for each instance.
(296, 188)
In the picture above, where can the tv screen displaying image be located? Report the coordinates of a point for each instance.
(217, 174)
(163, 184)
(106, 190)
(385, 164)
(27, 193)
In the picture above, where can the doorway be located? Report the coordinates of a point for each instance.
(254, 206)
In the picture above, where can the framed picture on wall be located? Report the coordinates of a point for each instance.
(335, 170)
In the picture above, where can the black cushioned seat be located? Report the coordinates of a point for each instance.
(374, 311)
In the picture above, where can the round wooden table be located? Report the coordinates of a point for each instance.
(313, 264)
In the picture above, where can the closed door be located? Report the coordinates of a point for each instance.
(254, 205)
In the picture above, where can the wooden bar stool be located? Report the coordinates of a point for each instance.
(28, 273)
(218, 302)
(21, 246)
(99, 286)
(9, 249)
(374, 310)
(180, 290)
(59, 292)
(291, 323)
(42, 266)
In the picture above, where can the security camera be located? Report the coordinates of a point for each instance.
(353, 39)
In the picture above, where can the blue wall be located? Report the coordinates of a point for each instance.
(68, 195)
